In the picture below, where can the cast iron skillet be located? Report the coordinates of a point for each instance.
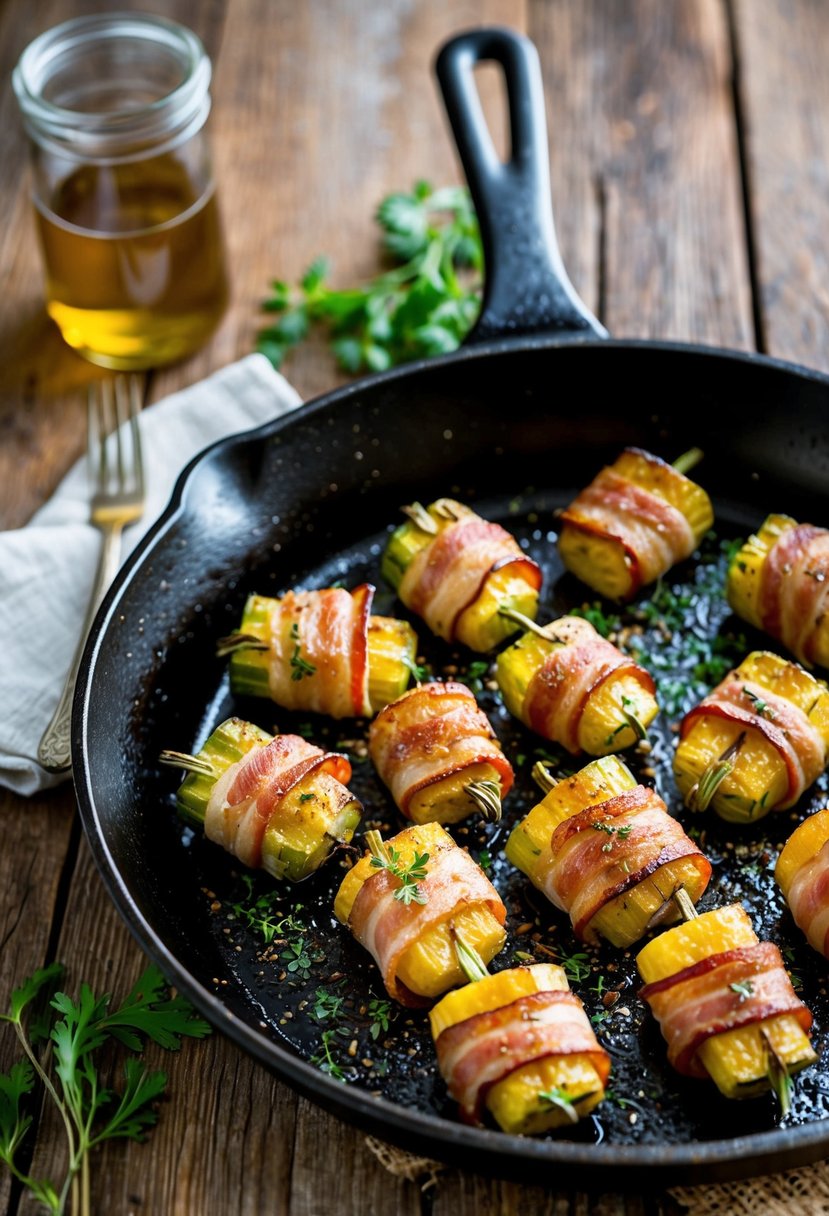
(515, 422)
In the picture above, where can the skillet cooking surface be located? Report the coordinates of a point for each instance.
(311, 500)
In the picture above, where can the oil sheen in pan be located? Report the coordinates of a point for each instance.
(319, 993)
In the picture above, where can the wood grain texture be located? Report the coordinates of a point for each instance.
(36, 840)
(784, 90)
(645, 167)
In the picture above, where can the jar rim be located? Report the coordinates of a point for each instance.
(109, 130)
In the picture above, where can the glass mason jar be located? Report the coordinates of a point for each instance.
(123, 191)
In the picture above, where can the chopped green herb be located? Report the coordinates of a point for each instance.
(743, 988)
(379, 1013)
(325, 1059)
(326, 1006)
(485, 860)
(604, 623)
(617, 833)
(761, 707)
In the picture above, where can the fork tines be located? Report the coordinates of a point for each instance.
(113, 406)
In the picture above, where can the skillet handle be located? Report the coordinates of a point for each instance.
(526, 288)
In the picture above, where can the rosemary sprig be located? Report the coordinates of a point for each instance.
(778, 1074)
(409, 874)
(300, 668)
(560, 1099)
(487, 797)
(470, 961)
(701, 794)
(239, 641)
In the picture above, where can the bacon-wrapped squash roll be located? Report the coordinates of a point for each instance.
(802, 873)
(570, 685)
(519, 1045)
(278, 804)
(606, 851)
(321, 651)
(779, 582)
(436, 751)
(409, 900)
(458, 571)
(636, 519)
(725, 1004)
(756, 742)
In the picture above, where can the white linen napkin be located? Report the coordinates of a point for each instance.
(48, 566)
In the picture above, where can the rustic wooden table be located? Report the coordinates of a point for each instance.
(690, 161)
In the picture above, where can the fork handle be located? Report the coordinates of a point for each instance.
(54, 752)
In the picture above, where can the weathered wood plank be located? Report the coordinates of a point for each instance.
(36, 838)
(784, 90)
(645, 168)
(225, 1139)
(341, 111)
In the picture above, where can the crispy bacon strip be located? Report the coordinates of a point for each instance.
(248, 794)
(449, 574)
(559, 691)
(477, 1053)
(387, 927)
(319, 651)
(794, 586)
(608, 849)
(782, 723)
(653, 534)
(430, 733)
(701, 1001)
(808, 900)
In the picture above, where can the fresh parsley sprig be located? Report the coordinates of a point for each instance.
(91, 1113)
(424, 305)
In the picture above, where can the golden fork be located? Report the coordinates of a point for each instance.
(116, 469)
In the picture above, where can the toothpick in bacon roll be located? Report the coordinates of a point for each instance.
(321, 651)
(519, 1046)
(802, 873)
(436, 751)
(409, 900)
(459, 571)
(572, 686)
(756, 742)
(606, 851)
(275, 803)
(779, 581)
(726, 1005)
(636, 519)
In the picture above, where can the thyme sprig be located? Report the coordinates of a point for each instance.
(409, 874)
(616, 833)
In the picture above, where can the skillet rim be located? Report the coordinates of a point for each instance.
(482, 1150)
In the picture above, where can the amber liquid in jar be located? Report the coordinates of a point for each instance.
(134, 262)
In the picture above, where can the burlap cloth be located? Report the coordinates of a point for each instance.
(803, 1192)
